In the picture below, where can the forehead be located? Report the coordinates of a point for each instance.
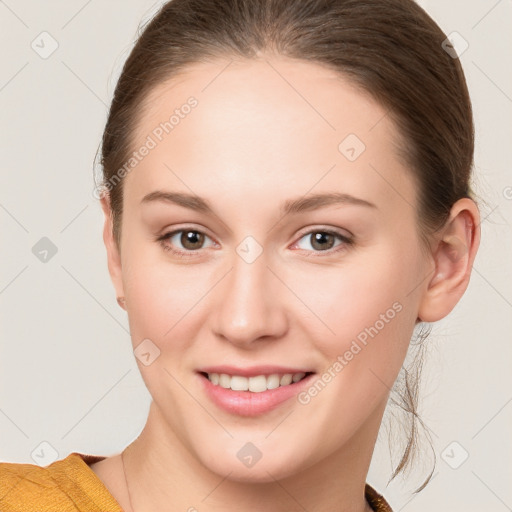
(260, 98)
(272, 123)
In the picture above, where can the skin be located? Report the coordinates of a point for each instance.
(252, 143)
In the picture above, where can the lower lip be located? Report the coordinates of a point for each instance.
(247, 403)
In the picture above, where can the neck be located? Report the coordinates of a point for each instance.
(162, 474)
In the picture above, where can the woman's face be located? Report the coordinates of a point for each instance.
(296, 217)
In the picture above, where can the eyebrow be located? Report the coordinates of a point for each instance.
(291, 206)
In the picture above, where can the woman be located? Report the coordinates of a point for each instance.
(286, 199)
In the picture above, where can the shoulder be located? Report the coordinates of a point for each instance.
(376, 500)
(65, 485)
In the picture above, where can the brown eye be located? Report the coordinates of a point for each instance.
(322, 240)
(184, 242)
(191, 240)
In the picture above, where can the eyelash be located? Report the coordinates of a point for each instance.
(347, 242)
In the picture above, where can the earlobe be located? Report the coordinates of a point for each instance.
(113, 255)
(453, 257)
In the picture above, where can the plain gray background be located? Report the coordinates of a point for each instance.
(68, 377)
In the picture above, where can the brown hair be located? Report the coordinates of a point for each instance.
(390, 48)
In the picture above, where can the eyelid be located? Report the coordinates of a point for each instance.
(169, 232)
(329, 229)
(347, 241)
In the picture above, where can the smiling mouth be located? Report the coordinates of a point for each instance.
(255, 384)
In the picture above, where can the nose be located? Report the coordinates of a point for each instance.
(250, 304)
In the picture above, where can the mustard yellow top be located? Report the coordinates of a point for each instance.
(70, 485)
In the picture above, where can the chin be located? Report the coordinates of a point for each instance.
(275, 466)
(261, 473)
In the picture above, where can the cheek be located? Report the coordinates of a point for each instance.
(372, 322)
(364, 311)
(161, 296)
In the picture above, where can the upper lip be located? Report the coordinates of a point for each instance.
(252, 371)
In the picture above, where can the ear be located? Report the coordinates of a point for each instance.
(453, 255)
(113, 253)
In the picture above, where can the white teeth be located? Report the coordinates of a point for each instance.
(256, 384)
(286, 379)
(298, 376)
(239, 383)
(273, 381)
(224, 381)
